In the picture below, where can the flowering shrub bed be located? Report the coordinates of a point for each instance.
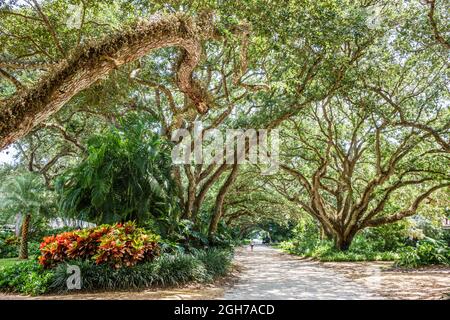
(117, 245)
(29, 277)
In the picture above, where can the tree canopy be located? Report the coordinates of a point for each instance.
(358, 89)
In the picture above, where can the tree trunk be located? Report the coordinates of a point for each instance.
(204, 190)
(218, 209)
(325, 233)
(343, 243)
(24, 241)
(18, 224)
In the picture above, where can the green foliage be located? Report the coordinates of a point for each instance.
(360, 250)
(278, 230)
(223, 238)
(387, 242)
(9, 246)
(217, 261)
(168, 246)
(126, 176)
(322, 54)
(189, 234)
(389, 237)
(25, 277)
(426, 252)
(166, 270)
(119, 245)
(34, 249)
(182, 234)
(370, 245)
(103, 277)
(25, 193)
(446, 236)
(176, 269)
(306, 235)
(430, 226)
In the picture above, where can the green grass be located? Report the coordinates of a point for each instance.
(10, 261)
(327, 253)
(351, 256)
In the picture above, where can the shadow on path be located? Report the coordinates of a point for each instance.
(270, 274)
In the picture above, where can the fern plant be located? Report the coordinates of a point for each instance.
(125, 176)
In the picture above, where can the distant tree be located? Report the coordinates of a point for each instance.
(352, 170)
(24, 194)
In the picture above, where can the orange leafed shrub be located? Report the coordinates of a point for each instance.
(119, 245)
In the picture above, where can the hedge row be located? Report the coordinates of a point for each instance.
(166, 270)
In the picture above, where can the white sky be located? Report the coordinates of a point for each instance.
(6, 156)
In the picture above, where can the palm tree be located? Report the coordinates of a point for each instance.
(23, 194)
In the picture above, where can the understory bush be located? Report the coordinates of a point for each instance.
(326, 251)
(27, 277)
(117, 245)
(217, 261)
(426, 252)
(374, 244)
(306, 237)
(389, 242)
(166, 270)
(10, 244)
(179, 268)
(103, 277)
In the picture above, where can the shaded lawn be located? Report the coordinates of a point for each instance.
(10, 261)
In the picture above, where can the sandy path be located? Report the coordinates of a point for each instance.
(270, 274)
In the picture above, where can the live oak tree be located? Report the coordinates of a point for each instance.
(401, 83)
(350, 164)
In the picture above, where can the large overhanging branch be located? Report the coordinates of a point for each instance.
(24, 111)
(407, 212)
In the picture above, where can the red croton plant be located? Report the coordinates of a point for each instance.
(118, 245)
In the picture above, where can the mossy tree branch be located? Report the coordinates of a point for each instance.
(24, 111)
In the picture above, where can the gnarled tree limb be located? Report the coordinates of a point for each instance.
(21, 113)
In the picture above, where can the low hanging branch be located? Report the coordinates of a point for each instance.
(21, 113)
